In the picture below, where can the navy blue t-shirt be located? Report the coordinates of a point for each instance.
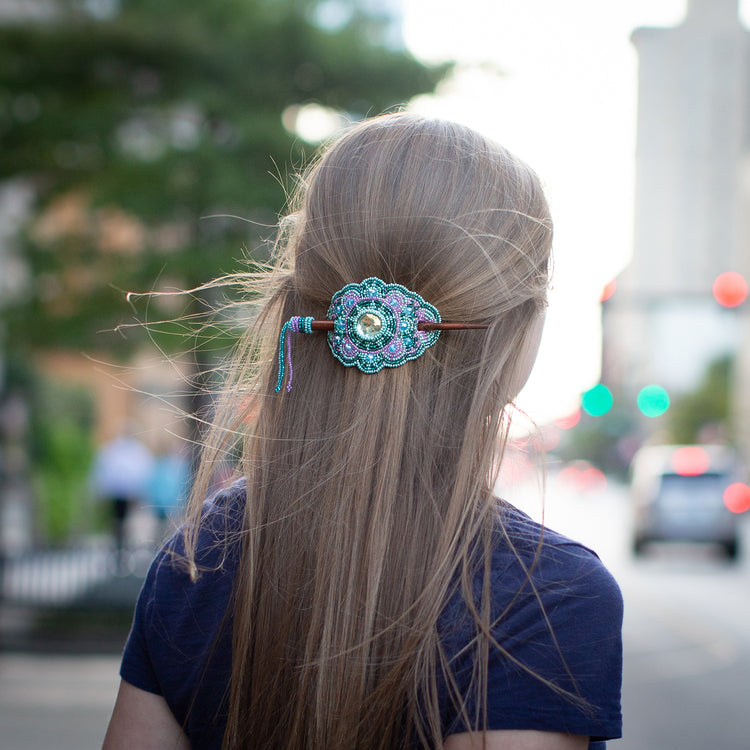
(565, 628)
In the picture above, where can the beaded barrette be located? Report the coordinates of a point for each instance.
(370, 326)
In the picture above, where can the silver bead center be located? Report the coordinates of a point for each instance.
(369, 325)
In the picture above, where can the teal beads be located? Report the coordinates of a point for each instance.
(376, 325)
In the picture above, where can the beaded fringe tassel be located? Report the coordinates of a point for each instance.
(296, 324)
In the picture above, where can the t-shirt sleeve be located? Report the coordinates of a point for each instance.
(137, 667)
(563, 662)
(180, 639)
(556, 664)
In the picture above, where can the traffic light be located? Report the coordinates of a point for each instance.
(730, 289)
(653, 400)
(597, 401)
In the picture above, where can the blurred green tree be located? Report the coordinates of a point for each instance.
(135, 120)
(604, 441)
(62, 452)
(704, 414)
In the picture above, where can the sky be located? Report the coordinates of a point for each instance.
(556, 83)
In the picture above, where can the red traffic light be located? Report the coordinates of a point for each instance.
(730, 289)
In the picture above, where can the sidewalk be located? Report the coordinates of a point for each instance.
(64, 618)
(56, 702)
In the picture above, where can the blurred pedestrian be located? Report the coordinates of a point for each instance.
(168, 484)
(361, 587)
(120, 475)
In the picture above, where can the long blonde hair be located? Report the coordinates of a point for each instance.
(367, 495)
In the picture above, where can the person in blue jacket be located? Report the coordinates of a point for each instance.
(359, 585)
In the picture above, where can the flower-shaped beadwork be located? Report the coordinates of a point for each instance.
(375, 325)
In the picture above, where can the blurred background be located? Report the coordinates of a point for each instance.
(149, 147)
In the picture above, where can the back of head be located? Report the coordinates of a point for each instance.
(431, 205)
(366, 491)
(436, 207)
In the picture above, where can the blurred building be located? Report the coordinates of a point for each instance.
(24, 10)
(663, 325)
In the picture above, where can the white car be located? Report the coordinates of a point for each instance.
(679, 492)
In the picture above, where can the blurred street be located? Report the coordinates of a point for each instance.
(686, 631)
(686, 634)
(55, 702)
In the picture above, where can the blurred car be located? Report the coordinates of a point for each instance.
(680, 493)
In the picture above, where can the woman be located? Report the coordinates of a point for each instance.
(361, 587)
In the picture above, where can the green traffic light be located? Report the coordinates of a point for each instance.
(597, 401)
(653, 400)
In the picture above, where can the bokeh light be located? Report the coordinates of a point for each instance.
(581, 476)
(690, 461)
(597, 401)
(737, 497)
(730, 289)
(569, 421)
(653, 401)
(609, 290)
(550, 435)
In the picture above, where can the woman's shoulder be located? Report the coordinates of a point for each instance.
(545, 592)
(541, 575)
(546, 557)
(216, 555)
(538, 576)
(221, 522)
